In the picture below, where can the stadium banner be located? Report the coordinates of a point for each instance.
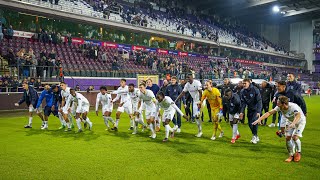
(154, 78)
(183, 54)
(74, 40)
(109, 45)
(138, 48)
(149, 49)
(93, 42)
(23, 34)
(125, 47)
(163, 51)
(173, 52)
(247, 61)
(203, 56)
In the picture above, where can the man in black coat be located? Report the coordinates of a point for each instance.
(266, 94)
(30, 97)
(226, 85)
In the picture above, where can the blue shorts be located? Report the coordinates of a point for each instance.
(47, 111)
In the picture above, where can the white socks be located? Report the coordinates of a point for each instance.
(199, 125)
(68, 125)
(234, 131)
(30, 121)
(290, 148)
(106, 121)
(298, 145)
(152, 128)
(79, 123)
(70, 118)
(117, 122)
(167, 130)
(62, 121)
(88, 120)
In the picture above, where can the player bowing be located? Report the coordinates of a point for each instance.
(82, 108)
(107, 106)
(169, 110)
(233, 107)
(148, 99)
(66, 110)
(134, 94)
(292, 125)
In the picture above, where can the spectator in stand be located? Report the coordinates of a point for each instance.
(104, 57)
(69, 39)
(77, 88)
(41, 70)
(10, 32)
(154, 66)
(38, 84)
(164, 86)
(11, 62)
(33, 62)
(115, 65)
(51, 62)
(15, 84)
(32, 82)
(1, 34)
(2, 86)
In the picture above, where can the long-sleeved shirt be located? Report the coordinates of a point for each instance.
(295, 86)
(49, 98)
(104, 99)
(30, 96)
(213, 97)
(79, 99)
(154, 88)
(123, 93)
(173, 91)
(251, 98)
(168, 105)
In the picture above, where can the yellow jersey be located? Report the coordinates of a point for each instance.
(213, 97)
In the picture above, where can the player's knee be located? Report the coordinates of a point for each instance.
(295, 137)
(288, 138)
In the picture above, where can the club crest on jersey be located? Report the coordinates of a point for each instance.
(251, 95)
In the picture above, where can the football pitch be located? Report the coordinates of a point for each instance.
(99, 154)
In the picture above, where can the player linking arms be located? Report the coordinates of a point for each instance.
(106, 102)
(170, 108)
(292, 124)
(213, 96)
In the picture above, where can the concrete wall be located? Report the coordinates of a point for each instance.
(302, 40)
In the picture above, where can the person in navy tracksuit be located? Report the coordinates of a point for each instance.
(293, 85)
(173, 90)
(30, 97)
(250, 97)
(48, 94)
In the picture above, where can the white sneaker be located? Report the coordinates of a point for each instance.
(213, 138)
(175, 127)
(178, 130)
(134, 132)
(199, 134)
(272, 125)
(90, 126)
(44, 128)
(257, 138)
(253, 140)
(153, 136)
(221, 134)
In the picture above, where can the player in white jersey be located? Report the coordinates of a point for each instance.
(83, 106)
(66, 111)
(134, 94)
(107, 106)
(147, 97)
(292, 125)
(194, 87)
(125, 103)
(169, 110)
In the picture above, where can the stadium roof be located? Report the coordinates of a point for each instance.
(261, 10)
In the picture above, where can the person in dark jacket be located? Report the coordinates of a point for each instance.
(251, 98)
(226, 85)
(30, 97)
(234, 107)
(266, 94)
(57, 102)
(293, 85)
(173, 90)
(164, 86)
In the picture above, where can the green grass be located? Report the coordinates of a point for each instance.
(53, 154)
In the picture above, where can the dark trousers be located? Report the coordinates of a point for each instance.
(274, 117)
(252, 116)
(177, 118)
(209, 111)
(265, 108)
(225, 109)
(188, 110)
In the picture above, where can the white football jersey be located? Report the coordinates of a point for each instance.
(65, 93)
(147, 98)
(193, 89)
(105, 100)
(123, 93)
(166, 103)
(134, 95)
(79, 99)
(290, 113)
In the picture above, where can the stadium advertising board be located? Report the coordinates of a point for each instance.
(109, 45)
(138, 48)
(163, 51)
(23, 34)
(151, 49)
(247, 61)
(183, 54)
(174, 52)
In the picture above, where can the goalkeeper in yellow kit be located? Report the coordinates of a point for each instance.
(213, 96)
